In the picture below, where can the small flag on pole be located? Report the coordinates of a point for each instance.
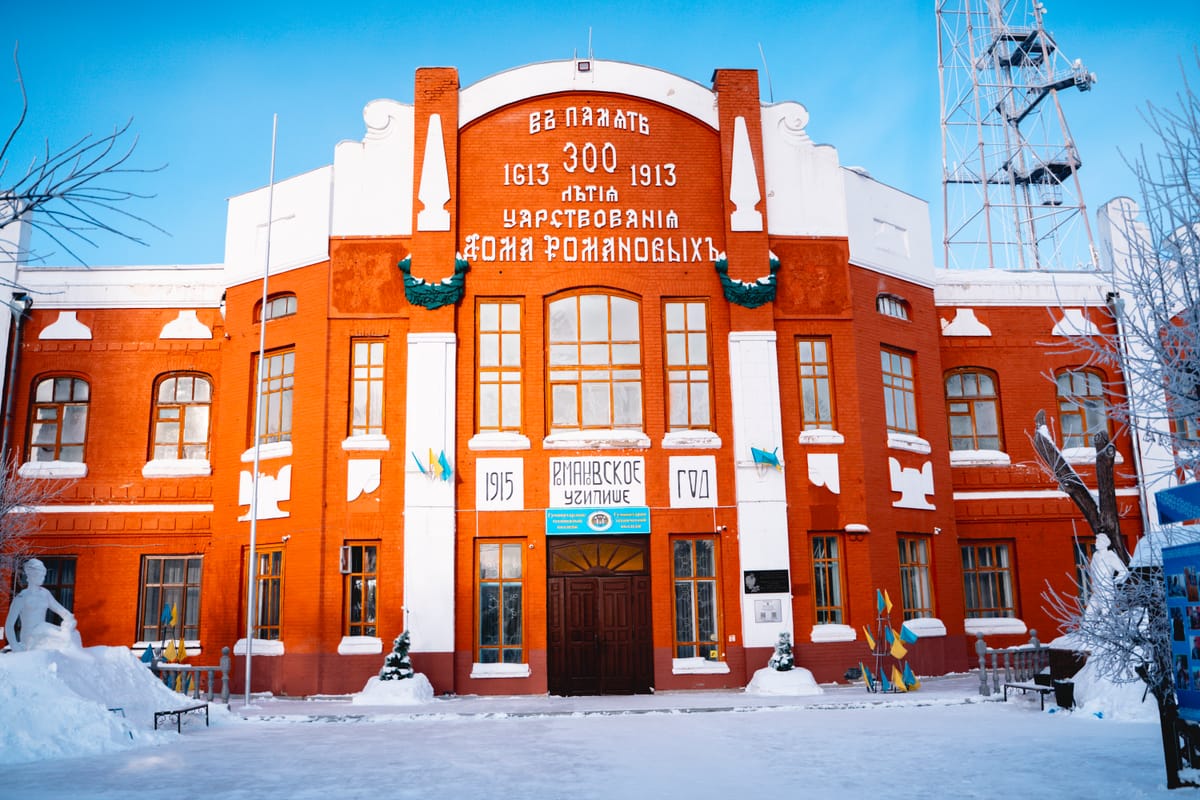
(899, 651)
(420, 466)
(165, 617)
(868, 678)
(148, 654)
(887, 601)
(879, 601)
(907, 635)
(898, 679)
(770, 459)
(883, 682)
(870, 638)
(445, 465)
(910, 680)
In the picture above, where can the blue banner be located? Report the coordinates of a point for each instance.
(613, 521)
(1178, 504)
(1181, 571)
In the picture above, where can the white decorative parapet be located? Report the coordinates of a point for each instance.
(186, 326)
(66, 327)
(965, 323)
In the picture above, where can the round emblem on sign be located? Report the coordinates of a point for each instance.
(600, 521)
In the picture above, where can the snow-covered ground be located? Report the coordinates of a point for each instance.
(58, 739)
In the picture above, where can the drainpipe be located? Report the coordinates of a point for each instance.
(20, 306)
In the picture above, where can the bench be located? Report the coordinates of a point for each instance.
(177, 713)
(1023, 687)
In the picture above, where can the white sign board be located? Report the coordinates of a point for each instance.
(597, 481)
(499, 484)
(693, 481)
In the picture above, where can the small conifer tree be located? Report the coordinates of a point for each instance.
(782, 659)
(397, 667)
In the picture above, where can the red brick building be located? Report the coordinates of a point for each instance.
(594, 378)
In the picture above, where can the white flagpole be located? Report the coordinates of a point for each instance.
(252, 567)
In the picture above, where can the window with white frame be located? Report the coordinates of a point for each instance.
(972, 407)
(182, 411)
(58, 419)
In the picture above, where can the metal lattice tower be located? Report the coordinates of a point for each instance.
(1010, 171)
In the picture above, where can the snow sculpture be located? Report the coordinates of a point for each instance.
(28, 610)
(1105, 571)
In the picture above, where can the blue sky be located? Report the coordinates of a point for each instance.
(202, 81)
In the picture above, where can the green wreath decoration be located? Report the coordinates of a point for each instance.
(445, 292)
(748, 294)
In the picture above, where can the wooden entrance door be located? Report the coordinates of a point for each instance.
(599, 617)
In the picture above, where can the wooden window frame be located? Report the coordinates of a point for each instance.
(891, 305)
(695, 646)
(899, 390)
(59, 406)
(977, 575)
(364, 377)
(916, 576)
(693, 376)
(284, 415)
(502, 376)
(813, 374)
(268, 592)
(1078, 409)
(973, 402)
(825, 613)
(280, 305)
(187, 624)
(614, 375)
(361, 626)
(500, 652)
(180, 446)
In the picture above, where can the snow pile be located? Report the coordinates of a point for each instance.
(408, 692)
(55, 704)
(1108, 700)
(795, 681)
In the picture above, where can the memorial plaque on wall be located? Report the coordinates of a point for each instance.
(766, 581)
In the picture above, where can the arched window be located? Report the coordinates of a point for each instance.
(58, 419)
(973, 408)
(1081, 408)
(595, 362)
(279, 305)
(891, 306)
(182, 405)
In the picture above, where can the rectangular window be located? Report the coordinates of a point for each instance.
(827, 579)
(361, 583)
(169, 598)
(59, 581)
(915, 585)
(501, 616)
(366, 387)
(689, 393)
(695, 567)
(899, 391)
(594, 362)
(816, 388)
(182, 410)
(987, 580)
(498, 370)
(278, 381)
(268, 595)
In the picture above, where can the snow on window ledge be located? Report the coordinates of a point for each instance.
(262, 647)
(979, 458)
(177, 468)
(500, 670)
(356, 646)
(994, 625)
(53, 469)
(926, 627)
(192, 646)
(691, 440)
(366, 441)
(615, 439)
(267, 451)
(1085, 455)
(830, 632)
(819, 436)
(906, 441)
(498, 440)
(857, 528)
(698, 666)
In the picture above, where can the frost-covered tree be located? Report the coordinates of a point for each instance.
(782, 659)
(69, 194)
(18, 498)
(397, 667)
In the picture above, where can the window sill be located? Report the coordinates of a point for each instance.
(498, 440)
(691, 440)
(857, 528)
(1085, 455)
(356, 646)
(979, 458)
(906, 441)
(926, 627)
(698, 666)
(614, 439)
(992, 625)
(192, 646)
(831, 632)
(821, 436)
(500, 670)
(268, 451)
(177, 468)
(262, 647)
(369, 441)
(53, 469)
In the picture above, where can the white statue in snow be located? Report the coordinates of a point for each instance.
(1105, 571)
(28, 610)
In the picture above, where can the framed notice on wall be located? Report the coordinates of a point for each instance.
(1181, 571)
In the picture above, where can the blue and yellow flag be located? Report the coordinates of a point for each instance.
(868, 678)
(165, 617)
(879, 601)
(870, 638)
(445, 466)
(898, 651)
(898, 679)
(770, 459)
(910, 680)
(883, 682)
(907, 635)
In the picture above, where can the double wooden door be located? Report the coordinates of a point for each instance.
(599, 617)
